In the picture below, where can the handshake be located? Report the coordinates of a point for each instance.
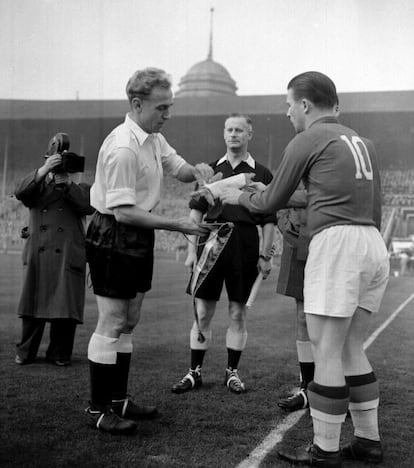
(212, 190)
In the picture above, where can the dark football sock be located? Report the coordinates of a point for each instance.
(307, 370)
(101, 376)
(120, 387)
(233, 358)
(197, 357)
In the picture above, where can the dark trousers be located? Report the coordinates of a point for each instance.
(62, 336)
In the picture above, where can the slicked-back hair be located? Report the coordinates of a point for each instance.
(142, 82)
(316, 87)
(246, 117)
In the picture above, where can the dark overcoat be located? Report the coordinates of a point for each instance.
(54, 259)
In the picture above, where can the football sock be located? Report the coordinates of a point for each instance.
(233, 358)
(197, 357)
(123, 360)
(198, 350)
(328, 408)
(235, 342)
(306, 363)
(363, 405)
(102, 366)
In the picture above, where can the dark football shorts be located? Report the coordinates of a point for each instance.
(120, 257)
(236, 266)
(291, 273)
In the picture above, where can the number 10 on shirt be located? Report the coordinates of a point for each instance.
(361, 157)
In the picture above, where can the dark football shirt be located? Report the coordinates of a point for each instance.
(339, 170)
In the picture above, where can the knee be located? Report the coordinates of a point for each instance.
(237, 319)
(204, 320)
(302, 330)
(131, 323)
(353, 353)
(324, 354)
(205, 313)
(111, 326)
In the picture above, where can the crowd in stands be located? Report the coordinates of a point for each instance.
(397, 187)
(398, 182)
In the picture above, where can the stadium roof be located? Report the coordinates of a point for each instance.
(207, 78)
(386, 101)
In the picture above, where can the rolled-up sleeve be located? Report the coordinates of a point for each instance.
(120, 171)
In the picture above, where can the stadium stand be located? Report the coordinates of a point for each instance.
(397, 187)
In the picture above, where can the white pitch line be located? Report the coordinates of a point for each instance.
(382, 327)
(276, 435)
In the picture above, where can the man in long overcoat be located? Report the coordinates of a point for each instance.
(54, 261)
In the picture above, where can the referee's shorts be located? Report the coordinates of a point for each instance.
(120, 257)
(236, 266)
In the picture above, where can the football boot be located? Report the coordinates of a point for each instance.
(127, 409)
(190, 381)
(107, 421)
(294, 402)
(366, 450)
(311, 455)
(233, 381)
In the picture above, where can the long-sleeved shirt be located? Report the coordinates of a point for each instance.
(340, 173)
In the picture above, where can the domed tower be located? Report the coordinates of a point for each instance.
(207, 78)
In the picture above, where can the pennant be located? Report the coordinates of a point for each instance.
(212, 248)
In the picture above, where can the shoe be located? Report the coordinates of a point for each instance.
(62, 363)
(311, 456)
(295, 402)
(191, 381)
(233, 382)
(59, 362)
(21, 362)
(107, 421)
(128, 409)
(361, 449)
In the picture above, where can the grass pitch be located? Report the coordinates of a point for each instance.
(42, 420)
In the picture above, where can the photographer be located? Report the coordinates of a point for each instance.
(54, 260)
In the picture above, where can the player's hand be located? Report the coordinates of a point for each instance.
(191, 259)
(205, 193)
(256, 187)
(230, 196)
(264, 267)
(188, 226)
(249, 180)
(215, 178)
(203, 173)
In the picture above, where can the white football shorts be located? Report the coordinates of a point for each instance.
(347, 267)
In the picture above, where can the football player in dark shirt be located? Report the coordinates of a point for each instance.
(346, 270)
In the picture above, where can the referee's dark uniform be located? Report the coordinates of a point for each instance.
(237, 264)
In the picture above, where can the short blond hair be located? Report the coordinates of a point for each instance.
(142, 82)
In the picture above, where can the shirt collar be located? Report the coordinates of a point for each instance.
(326, 119)
(141, 135)
(250, 161)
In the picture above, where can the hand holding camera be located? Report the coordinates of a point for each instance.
(52, 162)
(59, 162)
(70, 162)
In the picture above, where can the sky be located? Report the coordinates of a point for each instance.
(87, 49)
